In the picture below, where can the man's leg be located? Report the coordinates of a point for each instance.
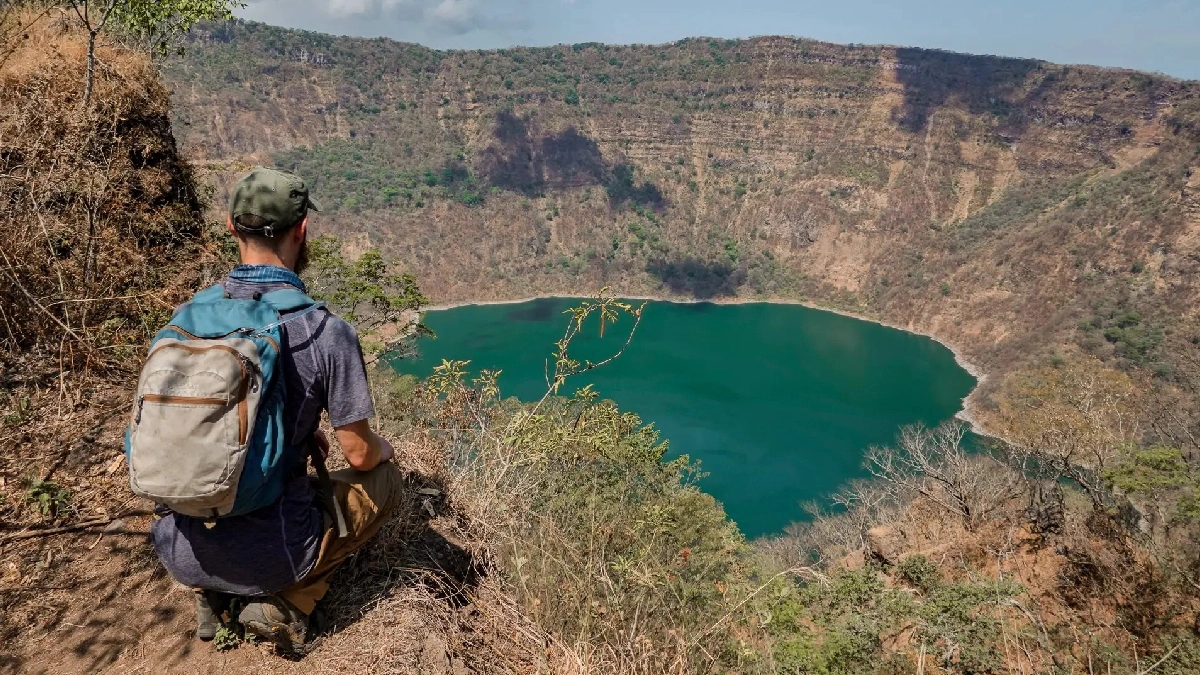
(367, 500)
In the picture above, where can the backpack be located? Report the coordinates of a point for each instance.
(206, 437)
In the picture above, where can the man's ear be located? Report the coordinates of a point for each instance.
(229, 226)
(301, 230)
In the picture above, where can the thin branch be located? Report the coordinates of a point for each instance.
(794, 570)
(115, 297)
(18, 589)
(1160, 661)
(38, 304)
(32, 534)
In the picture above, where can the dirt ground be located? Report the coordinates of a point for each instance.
(96, 600)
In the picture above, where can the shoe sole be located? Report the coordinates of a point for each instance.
(275, 635)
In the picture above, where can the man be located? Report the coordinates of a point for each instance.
(282, 555)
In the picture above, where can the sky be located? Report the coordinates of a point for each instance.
(1153, 35)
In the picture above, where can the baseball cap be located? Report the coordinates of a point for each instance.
(278, 197)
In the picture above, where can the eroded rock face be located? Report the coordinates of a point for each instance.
(885, 544)
(994, 202)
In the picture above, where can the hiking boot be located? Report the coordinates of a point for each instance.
(206, 618)
(275, 620)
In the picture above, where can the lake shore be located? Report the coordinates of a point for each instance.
(965, 413)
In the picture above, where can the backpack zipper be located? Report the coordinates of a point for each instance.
(243, 363)
(190, 336)
(175, 400)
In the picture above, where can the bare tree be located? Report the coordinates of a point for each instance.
(94, 17)
(155, 23)
(1072, 422)
(934, 464)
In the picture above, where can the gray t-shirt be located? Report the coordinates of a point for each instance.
(266, 551)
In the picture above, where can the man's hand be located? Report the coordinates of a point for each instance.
(364, 449)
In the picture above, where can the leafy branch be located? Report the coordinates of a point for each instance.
(383, 305)
(154, 23)
(610, 310)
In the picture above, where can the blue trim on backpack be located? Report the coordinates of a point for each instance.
(210, 315)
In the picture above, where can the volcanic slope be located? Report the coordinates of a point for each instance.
(1015, 208)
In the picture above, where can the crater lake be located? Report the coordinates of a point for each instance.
(778, 402)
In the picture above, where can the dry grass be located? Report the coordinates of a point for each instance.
(102, 222)
(1091, 594)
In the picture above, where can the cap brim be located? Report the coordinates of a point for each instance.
(312, 204)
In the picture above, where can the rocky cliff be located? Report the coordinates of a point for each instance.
(1015, 208)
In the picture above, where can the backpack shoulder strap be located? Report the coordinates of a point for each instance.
(288, 300)
(210, 294)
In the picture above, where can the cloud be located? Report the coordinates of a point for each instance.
(442, 24)
(349, 7)
(453, 17)
(456, 16)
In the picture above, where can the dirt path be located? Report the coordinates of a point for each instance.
(411, 602)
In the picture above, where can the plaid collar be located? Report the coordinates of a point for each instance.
(265, 274)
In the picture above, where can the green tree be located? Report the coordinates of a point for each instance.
(153, 23)
(382, 304)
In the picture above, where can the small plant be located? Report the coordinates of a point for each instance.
(944, 288)
(49, 498)
(920, 572)
(226, 639)
(17, 413)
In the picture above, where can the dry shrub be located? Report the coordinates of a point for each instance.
(102, 222)
(101, 236)
(602, 558)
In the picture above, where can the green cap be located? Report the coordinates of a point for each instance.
(278, 197)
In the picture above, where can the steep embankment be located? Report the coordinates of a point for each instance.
(993, 202)
(102, 236)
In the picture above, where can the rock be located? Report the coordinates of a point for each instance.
(115, 527)
(884, 544)
(434, 657)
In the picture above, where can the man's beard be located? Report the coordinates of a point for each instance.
(302, 258)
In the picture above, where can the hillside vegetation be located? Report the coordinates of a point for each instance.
(550, 537)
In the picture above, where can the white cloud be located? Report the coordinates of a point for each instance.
(455, 17)
(444, 24)
(349, 7)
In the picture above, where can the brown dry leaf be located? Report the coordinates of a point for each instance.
(114, 465)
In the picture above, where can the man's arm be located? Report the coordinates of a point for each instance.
(348, 396)
(364, 449)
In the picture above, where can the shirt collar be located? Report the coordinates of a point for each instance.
(265, 274)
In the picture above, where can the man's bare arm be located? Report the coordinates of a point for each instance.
(364, 449)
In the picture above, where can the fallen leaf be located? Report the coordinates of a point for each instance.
(116, 464)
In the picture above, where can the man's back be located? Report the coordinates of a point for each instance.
(268, 550)
(286, 551)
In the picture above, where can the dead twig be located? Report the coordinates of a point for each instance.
(33, 534)
(15, 589)
(55, 319)
(1160, 661)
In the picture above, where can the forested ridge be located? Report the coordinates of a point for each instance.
(1017, 209)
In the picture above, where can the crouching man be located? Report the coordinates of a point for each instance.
(226, 422)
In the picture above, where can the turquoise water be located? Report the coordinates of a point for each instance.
(778, 402)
